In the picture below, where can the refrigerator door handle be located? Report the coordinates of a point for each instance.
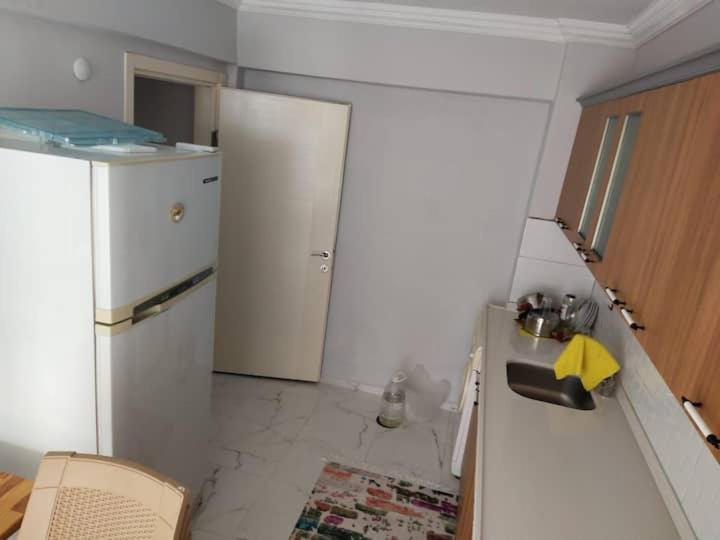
(157, 309)
(155, 305)
(160, 303)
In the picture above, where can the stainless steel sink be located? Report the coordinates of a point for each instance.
(539, 383)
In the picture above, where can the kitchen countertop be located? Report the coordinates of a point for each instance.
(553, 473)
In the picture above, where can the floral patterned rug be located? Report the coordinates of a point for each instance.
(351, 504)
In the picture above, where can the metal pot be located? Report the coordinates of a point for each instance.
(541, 322)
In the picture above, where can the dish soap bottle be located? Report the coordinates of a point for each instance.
(392, 408)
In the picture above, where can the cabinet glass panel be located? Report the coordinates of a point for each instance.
(617, 180)
(597, 175)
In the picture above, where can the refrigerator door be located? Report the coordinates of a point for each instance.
(153, 384)
(155, 224)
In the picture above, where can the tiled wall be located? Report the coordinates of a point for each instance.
(689, 465)
(549, 264)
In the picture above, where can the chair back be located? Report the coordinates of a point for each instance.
(78, 496)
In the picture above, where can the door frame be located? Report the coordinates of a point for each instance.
(207, 85)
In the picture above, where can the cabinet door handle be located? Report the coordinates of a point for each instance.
(691, 407)
(627, 315)
(611, 294)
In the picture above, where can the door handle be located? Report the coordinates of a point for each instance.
(324, 254)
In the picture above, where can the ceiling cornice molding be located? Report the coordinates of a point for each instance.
(661, 15)
(449, 20)
(579, 31)
(656, 18)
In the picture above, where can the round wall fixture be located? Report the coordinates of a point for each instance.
(82, 69)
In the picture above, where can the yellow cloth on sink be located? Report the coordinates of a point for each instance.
(586, 358)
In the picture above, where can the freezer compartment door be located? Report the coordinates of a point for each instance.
(154, 383)
(155, 224)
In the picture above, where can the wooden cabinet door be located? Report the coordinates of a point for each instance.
(683, 301)
(466, 515)
(623, 112)
(636, 235)
(591, 130)
(696, 371)
(640, 247)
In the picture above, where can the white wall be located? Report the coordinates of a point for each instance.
(433, 208)
(400, 56)
(697, 33)
(204, 27)
(451, 61)
(440, 60)
(37, 57)
(586, 68)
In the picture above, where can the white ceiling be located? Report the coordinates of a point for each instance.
(611, 11)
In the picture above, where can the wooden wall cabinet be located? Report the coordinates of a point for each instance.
(662, 254)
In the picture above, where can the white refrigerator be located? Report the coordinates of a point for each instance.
(107, 303)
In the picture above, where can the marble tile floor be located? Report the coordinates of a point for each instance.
(271, 439)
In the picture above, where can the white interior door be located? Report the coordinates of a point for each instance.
(283, 161)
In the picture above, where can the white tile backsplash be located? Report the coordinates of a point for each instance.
(549, 264)
(551, 278)
(688, 464)
(544, 240)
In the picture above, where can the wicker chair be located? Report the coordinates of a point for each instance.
(87, 497)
